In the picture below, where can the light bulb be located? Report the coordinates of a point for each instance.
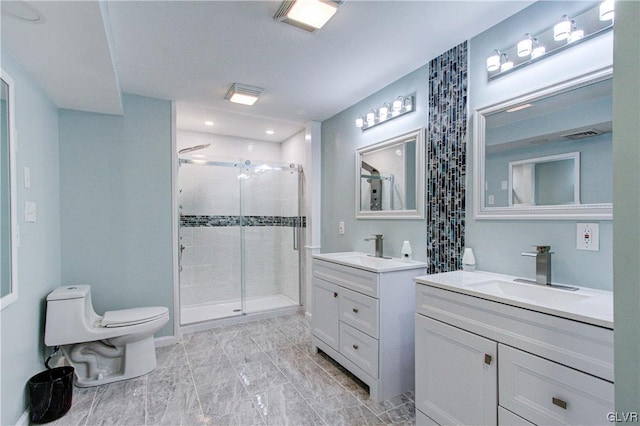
(371, 117)
(359, 122)
(538, 50)
(562, 29)
(397, 104)
(493, 61)
(383, 112)
(408, 104)
(606, 10)
(575, 36)
(525, 46)
(506, 63)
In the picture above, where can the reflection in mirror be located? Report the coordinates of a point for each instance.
(547, 154)
(389, 181)
(545, 181)
(8, 219)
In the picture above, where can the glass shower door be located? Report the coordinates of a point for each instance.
(271, 237)
(210, 241)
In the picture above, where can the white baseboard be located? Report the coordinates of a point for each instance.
(24, 419)
(308, 314)
(165, 341)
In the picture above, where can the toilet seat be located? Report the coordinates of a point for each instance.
(128, 317)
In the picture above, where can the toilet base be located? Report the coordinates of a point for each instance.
(101, 362)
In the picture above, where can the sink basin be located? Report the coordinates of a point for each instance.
(531, 292)
(370, 263)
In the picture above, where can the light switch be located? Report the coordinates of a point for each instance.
(341, 228)
(491, 200)
(504, 185)
(29, 211)
(27, 177)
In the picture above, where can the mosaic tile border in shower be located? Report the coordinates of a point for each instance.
(446, 162)
(192, 221)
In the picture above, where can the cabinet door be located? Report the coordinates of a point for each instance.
(326, 312)
(456, 374)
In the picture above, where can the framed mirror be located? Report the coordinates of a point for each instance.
(390, 178)
(547, 154)
(8, 213)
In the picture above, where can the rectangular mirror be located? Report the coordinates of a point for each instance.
(8, 213)
(548, 154)
(390, 178)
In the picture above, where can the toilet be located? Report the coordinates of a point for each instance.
(102, 349)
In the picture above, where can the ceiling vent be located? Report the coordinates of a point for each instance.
(287, 14)
(583, 134)
(243, 94)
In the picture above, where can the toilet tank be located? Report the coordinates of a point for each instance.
(69, 314)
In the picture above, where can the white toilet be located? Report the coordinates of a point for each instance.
(102, 349)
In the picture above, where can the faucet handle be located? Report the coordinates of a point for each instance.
(543, 249)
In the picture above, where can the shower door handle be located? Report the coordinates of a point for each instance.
(296, 235)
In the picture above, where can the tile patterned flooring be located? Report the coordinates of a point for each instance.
(258, 373)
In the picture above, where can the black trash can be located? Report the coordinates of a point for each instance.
(50, 392)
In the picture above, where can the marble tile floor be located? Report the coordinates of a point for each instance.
(258, 373)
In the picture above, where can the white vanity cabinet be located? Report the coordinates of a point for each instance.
(484, 361)
(363, 319)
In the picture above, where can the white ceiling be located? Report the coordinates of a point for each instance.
(85, 54)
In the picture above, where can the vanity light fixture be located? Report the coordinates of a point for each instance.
(606, 10)
(388, 111)
(308, 15)
(243, 94)
(569, 31)
(525, 46)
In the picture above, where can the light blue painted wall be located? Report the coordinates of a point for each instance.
(116, 204)
(626, 205)
(22, 323)
(498, 243)
(340, 139)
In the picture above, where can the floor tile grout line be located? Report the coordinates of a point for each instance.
(193, 380)
(90, 411)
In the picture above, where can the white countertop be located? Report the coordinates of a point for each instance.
(585, 305)
(370, 263)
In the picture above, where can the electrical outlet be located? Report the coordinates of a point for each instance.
(29, 211)
(588, 236)
(504, 185)
(341, 228)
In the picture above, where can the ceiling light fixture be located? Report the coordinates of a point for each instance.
(208, 123)
(243, 94)
(400, 106)
(270, 132)
(309, 15)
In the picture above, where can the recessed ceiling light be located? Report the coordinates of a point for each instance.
(208, 123)
(243, 94)
(270, 132)
(309, 15)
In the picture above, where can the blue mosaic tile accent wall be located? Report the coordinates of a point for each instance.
(446, 160)
(212, 221)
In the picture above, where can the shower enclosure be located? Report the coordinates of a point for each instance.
(239, 238)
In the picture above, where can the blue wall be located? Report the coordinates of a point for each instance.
(498, 243)
(340, 139)
(116, 204)
(22, 322)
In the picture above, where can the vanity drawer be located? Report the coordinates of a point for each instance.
(544, 392)
(359, 348)
(364, 282)
(359, 311)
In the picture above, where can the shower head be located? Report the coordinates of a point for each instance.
(193, 148)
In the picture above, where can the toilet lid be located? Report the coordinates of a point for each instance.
(125, 317)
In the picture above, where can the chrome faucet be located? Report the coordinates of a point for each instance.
(378, 238)
(543, 268)
(543, 264)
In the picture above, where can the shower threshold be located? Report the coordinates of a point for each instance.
(208, 312)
